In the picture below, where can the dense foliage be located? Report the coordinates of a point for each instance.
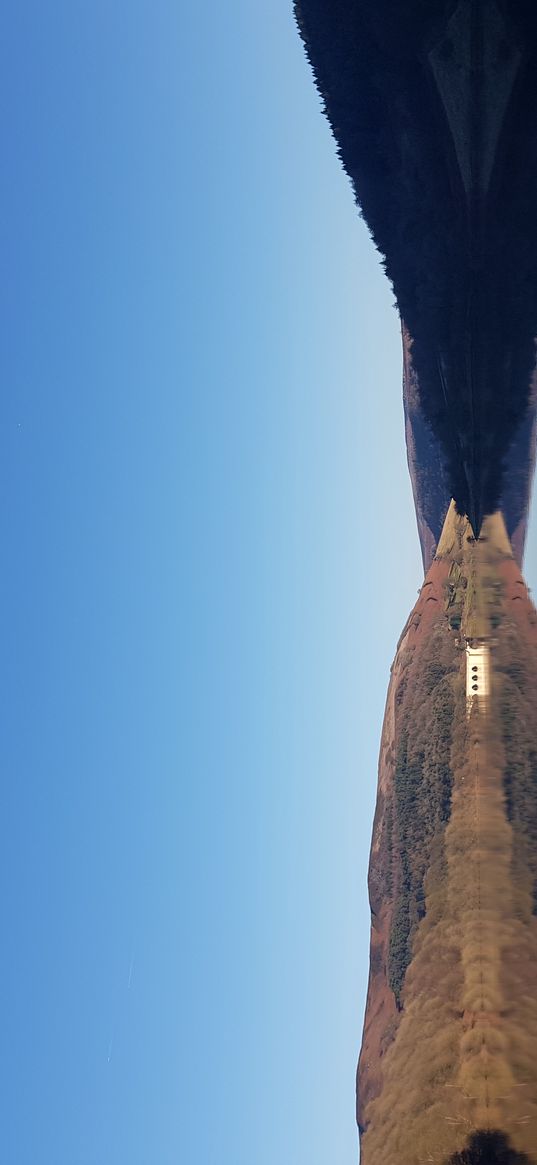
(489, 1148)
(517, 702)
(462, 269)
(422, 798)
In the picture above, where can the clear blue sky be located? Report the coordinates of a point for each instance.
(208, 551)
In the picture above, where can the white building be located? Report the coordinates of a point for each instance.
(477, 673)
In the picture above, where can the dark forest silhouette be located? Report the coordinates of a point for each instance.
(489, 1148)
(463, 273)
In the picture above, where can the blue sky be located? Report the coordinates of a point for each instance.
(208, 553)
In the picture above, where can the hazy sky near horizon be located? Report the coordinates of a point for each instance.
(209, 552)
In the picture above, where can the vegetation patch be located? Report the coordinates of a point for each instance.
(416, 819)
(489, 1148)
(371, 63)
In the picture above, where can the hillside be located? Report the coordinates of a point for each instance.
(434, 109)
(430, 485)
(451, 1018)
